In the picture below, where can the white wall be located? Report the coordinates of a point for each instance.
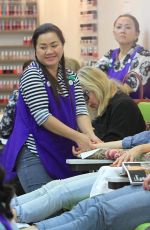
(65, 14)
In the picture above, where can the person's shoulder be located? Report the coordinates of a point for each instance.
(123, 100)
(33, 66)
(143, 52)
(109, 53)
(33, 69)
(14, 94)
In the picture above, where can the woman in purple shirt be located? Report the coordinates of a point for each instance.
(51, 115)
(130, 63)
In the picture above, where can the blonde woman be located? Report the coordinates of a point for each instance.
(117, 116)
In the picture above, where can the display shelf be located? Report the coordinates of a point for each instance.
(15, 46)
(88, 32)
(18, 20)
(13, 61)
(10, 75)
(19, 16)
(15, 31)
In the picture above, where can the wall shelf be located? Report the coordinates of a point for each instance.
(18, 20)
(89, 31)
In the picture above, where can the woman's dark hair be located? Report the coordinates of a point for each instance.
(6, 194)
(42, 29)
(136, 23)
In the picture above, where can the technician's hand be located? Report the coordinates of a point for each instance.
(94, 138)
(84, 144)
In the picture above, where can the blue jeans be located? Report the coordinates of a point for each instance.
(30, 171)
(123, 209)
(52, 197)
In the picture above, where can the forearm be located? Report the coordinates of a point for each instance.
(142, 149)
(83, 140)
(111, 144)
(84, 124)
(54, 125)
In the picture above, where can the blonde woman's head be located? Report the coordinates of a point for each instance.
(95, 83)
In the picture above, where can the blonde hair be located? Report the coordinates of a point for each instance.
(95, 80)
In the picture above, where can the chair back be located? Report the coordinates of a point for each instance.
(145, 110)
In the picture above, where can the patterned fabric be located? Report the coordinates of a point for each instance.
(113, 154)
(7, 122)
(140, 65)
(106, 153)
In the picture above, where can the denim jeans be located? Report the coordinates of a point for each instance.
(52, 197)
(30, 171)
(123, 209)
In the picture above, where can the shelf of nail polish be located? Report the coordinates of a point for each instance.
(18, 8)
(15, 55)
(18, 20)
(88, 4)
(88, 31)
(13, 69)
(17, 24)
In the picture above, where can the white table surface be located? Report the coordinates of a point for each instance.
(88, 161)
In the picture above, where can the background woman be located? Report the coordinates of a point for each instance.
(117, 114)
(129, 59)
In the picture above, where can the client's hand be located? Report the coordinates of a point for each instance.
(146, 183)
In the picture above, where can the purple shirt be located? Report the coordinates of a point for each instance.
(53, 149)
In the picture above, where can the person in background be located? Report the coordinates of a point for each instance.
(109, 211)
(51, 115)
(7, 121)
(64, 194)
(123, 208)
(130, 63)
(6, 216)
(117, 114)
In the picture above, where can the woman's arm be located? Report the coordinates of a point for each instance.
(82, 140)
(110, 144)
(85, 126)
